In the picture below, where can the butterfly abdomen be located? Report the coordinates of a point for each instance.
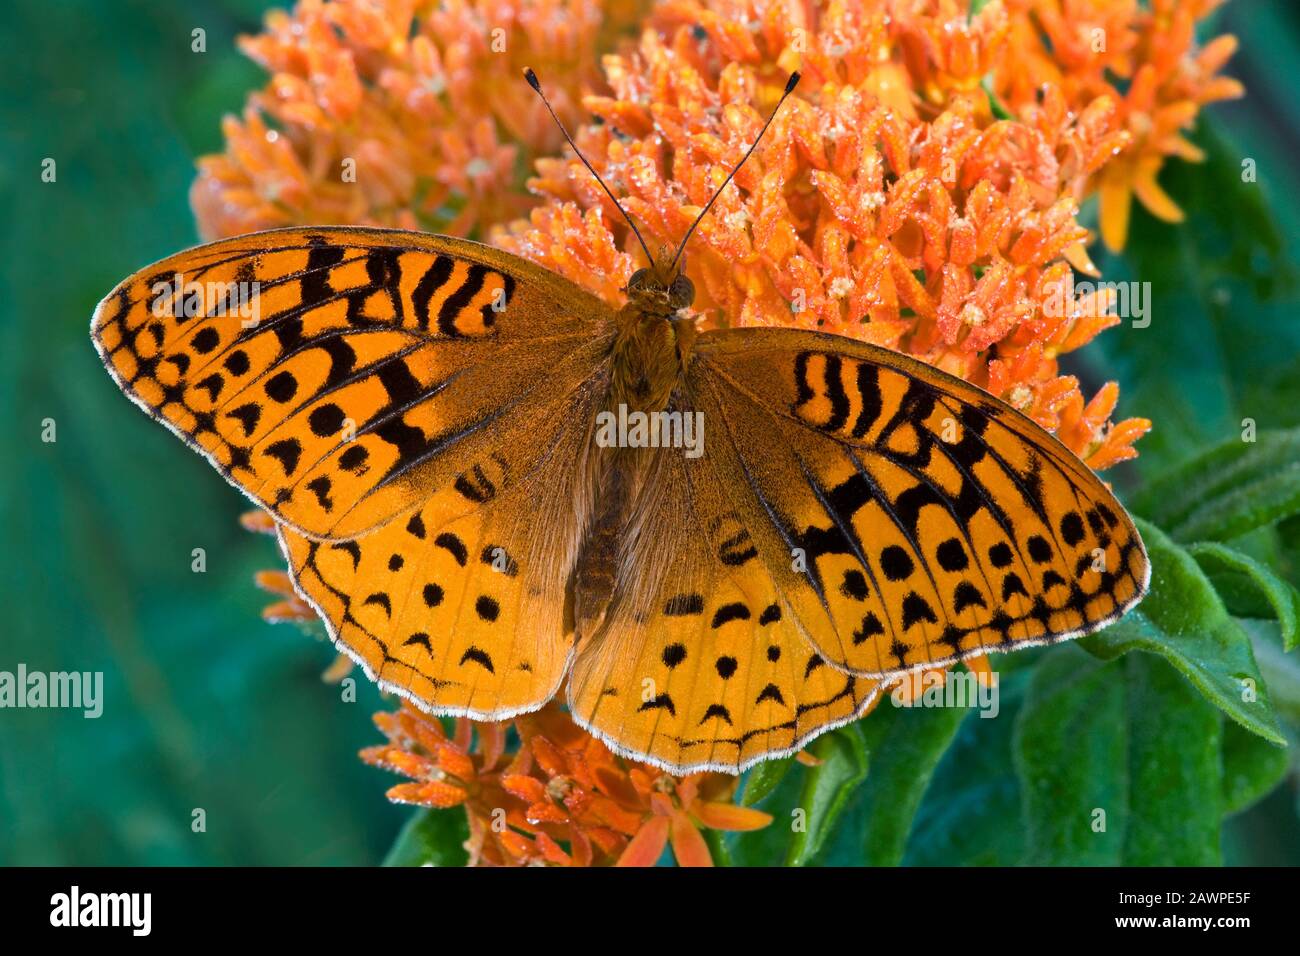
(596, 573)
(645, 369)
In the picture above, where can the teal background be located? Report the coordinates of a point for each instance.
(208, 707)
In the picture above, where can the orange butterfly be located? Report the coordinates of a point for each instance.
(485, 480)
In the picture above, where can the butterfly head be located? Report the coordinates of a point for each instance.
(661, 288)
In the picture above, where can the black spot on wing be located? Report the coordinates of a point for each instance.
(663, 701)
(487, 608)
(917, 609)
(248, 416)
(717, 710)
(288, 451)
(452, 545)
(869, 628)
(734, 611)
(480, 657)
(419, 638)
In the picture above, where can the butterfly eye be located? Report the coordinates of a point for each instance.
(682, 293)
(638, 279)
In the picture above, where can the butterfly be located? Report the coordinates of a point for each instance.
(494, 487)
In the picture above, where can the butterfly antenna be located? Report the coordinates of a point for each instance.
(789, 88)
(531, 77)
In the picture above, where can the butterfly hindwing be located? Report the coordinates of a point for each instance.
(460, 606)
(908, 518)
(338, 375)
(699, 664)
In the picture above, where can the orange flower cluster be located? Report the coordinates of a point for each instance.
(1081, 47)
(560, 799)
(394, 113)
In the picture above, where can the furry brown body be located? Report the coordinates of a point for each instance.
(649, 356)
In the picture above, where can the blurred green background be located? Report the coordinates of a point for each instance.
(208, 707)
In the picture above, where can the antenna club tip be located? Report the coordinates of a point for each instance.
(791, 83)
(531, 77)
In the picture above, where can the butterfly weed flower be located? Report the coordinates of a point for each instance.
(1145, 57)
(921, 196)
(394, 113)
(561, 799)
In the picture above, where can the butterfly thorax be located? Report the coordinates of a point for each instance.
(646, 363)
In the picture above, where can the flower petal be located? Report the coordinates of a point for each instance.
(647, 846)
(689, 847)
(728, 816)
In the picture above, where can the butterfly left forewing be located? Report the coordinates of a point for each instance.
(335, 375)
(908, 518)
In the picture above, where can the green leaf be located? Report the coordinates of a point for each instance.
(1071, 757)
(1242, 582)
(763, 779)
(970, 813)
(1108, 754)
(827, 789)
(1281, 671)
(768, 846)
(1252, 767)
(1222, 340)
(1175, 809)
(1229, 490)
(431, 838)
(905, 746)
(1183, 620)
(806, 803)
